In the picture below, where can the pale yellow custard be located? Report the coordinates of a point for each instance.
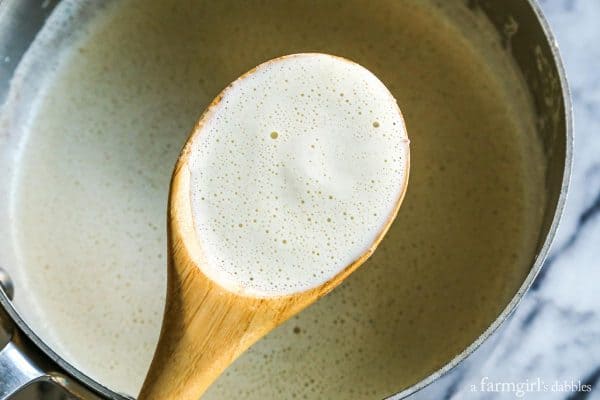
(100, 128)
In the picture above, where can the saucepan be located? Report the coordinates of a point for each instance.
(524, 34)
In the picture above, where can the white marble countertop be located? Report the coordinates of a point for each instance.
(554, 335)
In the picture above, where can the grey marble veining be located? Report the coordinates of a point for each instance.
(553, 338)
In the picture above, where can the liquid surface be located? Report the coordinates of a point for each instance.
(96, 133)
(295, 173)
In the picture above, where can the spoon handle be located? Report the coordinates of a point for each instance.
(205, 327)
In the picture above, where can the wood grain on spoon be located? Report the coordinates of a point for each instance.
(207, 326)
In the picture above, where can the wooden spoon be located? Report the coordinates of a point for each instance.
(206, 327)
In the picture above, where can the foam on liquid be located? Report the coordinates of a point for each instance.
(95, 121)
(295, 173)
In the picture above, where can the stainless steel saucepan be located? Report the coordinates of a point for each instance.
(25, 359)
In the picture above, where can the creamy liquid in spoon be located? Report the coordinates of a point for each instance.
(96, 119)
(295, 173)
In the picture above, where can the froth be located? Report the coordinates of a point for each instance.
(297, 170)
